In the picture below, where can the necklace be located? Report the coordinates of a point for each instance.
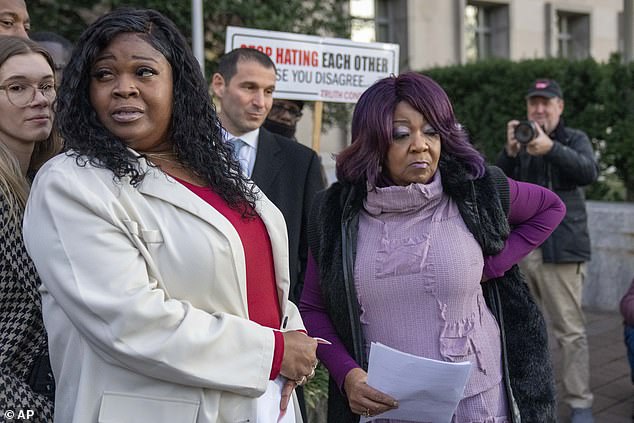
(175, 167)
(170, 157)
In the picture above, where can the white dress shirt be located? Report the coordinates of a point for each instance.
(246, 156)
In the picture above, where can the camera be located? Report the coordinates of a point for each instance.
(525, 131)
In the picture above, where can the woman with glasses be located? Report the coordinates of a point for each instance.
(27, 91)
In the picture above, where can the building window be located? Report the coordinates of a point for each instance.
(573, 35)
(362, 20)
(486, 31)
(383, 15)
(391, 26)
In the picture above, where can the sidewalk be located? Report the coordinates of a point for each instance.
(610, 373)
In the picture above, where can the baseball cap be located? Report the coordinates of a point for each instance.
(544, 88)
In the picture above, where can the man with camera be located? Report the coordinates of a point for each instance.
(543, 151)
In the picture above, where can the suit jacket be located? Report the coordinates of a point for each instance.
(289, 173)
(144, 298)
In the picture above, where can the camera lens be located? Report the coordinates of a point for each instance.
(525, 132)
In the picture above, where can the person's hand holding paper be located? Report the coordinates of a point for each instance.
(364, 399)
(426, 390)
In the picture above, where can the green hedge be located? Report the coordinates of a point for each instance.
(599, 99)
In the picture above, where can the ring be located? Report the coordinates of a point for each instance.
(301, 381)
(366, 413)
(316, 364)
(312, 374)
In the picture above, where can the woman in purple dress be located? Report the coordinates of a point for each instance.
(401, 248)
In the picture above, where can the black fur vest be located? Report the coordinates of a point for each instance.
(332, 233)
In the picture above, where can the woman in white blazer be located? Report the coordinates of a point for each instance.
(164, 271)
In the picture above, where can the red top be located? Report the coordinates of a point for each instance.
(262, 300)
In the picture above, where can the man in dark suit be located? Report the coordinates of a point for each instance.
(287, 172)
(283, 119)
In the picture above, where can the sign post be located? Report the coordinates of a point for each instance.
(198, 33)
(317, 118)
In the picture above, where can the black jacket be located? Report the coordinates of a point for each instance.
(289, 174)
(565, 169)
(332, 233)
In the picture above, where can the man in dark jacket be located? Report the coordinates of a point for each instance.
(544, 151)
(284, 116)
(283, 119)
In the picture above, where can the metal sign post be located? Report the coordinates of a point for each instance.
(198, 33)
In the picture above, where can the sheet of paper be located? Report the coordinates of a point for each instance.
(427, 390)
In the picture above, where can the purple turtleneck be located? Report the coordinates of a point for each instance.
(534, 213)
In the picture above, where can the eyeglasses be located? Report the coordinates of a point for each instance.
(281, 108)
(21, 95)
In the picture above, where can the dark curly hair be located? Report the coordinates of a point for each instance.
(194, 129)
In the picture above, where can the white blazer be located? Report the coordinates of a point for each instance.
(144, 299)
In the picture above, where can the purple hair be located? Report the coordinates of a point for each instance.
(372, 127)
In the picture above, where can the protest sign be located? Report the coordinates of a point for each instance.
(319, 68)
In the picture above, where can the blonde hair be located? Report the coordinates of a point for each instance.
(14, 186)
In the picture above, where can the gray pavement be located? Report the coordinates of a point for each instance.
(610, 373)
